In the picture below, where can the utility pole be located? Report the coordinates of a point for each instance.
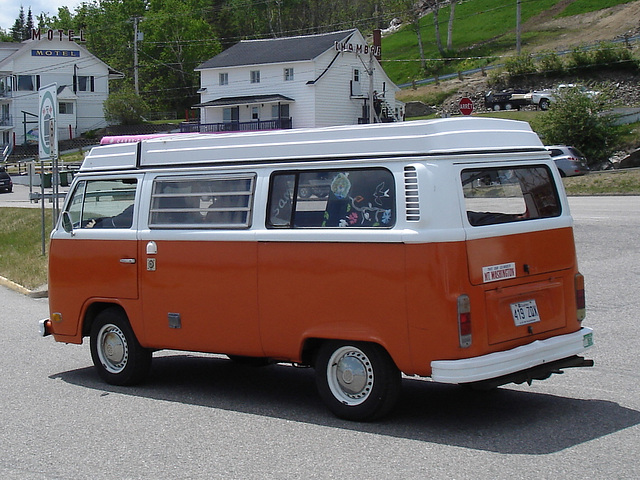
(372, 111)
(135, 54)
(518, 46)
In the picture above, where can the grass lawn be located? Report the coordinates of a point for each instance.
(21, 258)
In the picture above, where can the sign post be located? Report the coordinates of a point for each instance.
(466, 106)
(48, 145)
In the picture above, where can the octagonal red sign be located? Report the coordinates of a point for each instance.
(466, 106)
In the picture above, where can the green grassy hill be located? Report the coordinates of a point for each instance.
(484, 32)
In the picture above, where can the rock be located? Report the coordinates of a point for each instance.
(417, 109)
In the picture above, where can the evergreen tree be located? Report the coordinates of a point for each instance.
(28, 27)
(17, 31)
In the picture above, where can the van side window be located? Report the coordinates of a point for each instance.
(332, 198)
(502, 195)
(103, 203)
(202, 201)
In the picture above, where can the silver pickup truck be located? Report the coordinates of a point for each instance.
(544, 98)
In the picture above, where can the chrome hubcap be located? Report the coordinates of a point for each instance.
(112, 348)
(350, 375)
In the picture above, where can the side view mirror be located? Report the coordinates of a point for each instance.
(67, 224)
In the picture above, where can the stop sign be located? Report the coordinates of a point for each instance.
(466, 106)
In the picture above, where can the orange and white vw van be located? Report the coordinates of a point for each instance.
(440, 248)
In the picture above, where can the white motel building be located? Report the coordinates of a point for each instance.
(293, 82)
(50, 57)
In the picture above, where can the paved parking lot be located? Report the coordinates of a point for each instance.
(21, 194)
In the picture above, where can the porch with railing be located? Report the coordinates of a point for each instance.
(197, 127)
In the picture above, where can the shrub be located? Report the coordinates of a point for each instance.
(520, 65)
(125, 107)
(576, 118)
(550, 63)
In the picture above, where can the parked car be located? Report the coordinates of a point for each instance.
(506, 100)
(6, 185)
(569, 160)
(544, 98)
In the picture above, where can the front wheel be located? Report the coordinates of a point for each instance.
(357, 381)
(116, 353)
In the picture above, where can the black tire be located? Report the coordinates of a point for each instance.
(544, 104)
(357, 381)
(496, 107)
(116, 353)
(508, 106)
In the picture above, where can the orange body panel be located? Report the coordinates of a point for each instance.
(85, 271)
(351, 291)
(267, 298)
(212, 286)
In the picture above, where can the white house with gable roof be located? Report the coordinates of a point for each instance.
(82, 80)
(307, 81)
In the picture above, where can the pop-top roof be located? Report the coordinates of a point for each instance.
(418, 138)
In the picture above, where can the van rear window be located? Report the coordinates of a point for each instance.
(332, 198)
(502, 195)
(202, 201)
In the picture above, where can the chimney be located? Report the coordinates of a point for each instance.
(377, 42)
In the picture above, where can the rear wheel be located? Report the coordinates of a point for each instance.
(116, 353)
(357, 381)
(544, 104)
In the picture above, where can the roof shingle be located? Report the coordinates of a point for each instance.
(276, 50)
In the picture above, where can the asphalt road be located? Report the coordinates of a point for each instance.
(204, 417)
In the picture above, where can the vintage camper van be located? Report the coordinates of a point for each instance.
(439, 248)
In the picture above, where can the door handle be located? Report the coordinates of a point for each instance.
(127, 260)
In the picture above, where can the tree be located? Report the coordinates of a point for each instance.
(172, 49)
(452, 5)
(436, 23)
(125, 107)
(410, 11)
(17, 31)
(576, 118)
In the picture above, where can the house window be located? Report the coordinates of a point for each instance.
(255, 113)
(28, 83)
(65, 108)
(288, 74)
(85, 83)
(230, 114)
(280, 111)
(255, 76)
(224, 79)
(356, 75)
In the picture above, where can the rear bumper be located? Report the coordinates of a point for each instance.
(506, 365)
(45, 327)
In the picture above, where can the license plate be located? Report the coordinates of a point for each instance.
(587, 340)
(525, 313)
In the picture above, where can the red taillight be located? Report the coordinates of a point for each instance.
(464, 321)
(581, 309)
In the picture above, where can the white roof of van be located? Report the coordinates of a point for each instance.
(414, 138)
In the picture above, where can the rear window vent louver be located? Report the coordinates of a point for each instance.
(412, 199)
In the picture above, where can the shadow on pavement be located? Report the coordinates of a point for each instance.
(503, 420)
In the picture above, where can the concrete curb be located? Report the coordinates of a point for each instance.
(38, 293)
